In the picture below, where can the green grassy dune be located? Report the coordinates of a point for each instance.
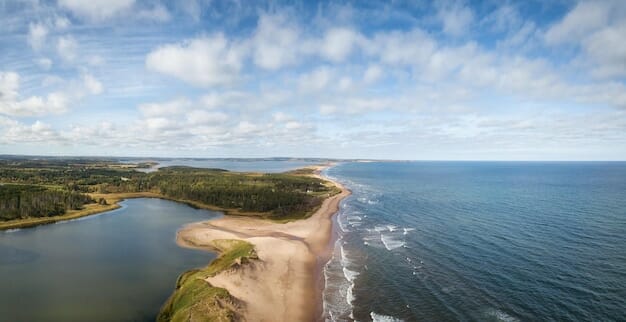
(195, 299)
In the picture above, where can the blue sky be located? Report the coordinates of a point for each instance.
(453, 80)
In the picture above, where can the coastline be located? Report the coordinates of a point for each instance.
(113, 200)
(288, 274)
(280, 284)
(90, 209)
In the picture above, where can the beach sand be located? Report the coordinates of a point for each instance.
(286, 283)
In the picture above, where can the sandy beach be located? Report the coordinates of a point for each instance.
(285, 284)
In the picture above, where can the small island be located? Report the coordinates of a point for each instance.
(272, 243)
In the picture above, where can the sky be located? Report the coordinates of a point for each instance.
(416, 80)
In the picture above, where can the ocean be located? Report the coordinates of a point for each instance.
(479, 241)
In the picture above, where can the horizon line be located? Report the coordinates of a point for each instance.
(300, 158)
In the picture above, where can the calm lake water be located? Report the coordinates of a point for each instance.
(117, 266)
(480, 241)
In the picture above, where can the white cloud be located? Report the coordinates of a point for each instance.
(338, 43)
(281, 117)
(599, 30)
(456, 19)
(364, 104)
(56, 102)
(44, 63)
(16, 132)
(52, 80)
(212, 100)
(607, 48)
(246, 127)
(292, 125)
(586, 17)
(276, 42)
(61, 23)
(317, 80)
(504, 18)
(168, 108)
(96, 9)
(191, 7)
(9, 85)
(368, 82)
(197, 117)
(95, 60)
(160, 124)
(93, 85)
(174, 120)
(372, 74)
(67, 48)
(157, 13)
(242, 100)
(397, 47)
(326, 109)
(345, 83)
(521, 37)
(37, 34)
(205, 61)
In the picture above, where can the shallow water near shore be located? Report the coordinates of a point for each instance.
(117, 266)
(480, 241)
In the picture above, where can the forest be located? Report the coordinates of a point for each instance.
(36, 188)
(27, 201)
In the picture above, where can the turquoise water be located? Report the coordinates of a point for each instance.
(480, 241)
(117, 266)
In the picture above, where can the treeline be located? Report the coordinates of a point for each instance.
(25, 201)
(276, 195)
(71, 178)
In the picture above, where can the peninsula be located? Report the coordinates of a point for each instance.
(283, 281)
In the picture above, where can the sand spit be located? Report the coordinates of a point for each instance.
(284, 284)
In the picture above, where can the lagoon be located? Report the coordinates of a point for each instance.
(117, 266)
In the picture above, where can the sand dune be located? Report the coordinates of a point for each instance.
(284, 284)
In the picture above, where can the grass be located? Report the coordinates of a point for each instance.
(302, 172)
(195, 299)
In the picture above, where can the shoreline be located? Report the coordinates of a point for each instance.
(279, 285)
(113, 200)
(89, 210)
(292, 253)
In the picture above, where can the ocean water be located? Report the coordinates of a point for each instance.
(479, 241)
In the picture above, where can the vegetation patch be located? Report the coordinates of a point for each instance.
(18, 201)
(195, 299)
(303, 171)
(37, 188)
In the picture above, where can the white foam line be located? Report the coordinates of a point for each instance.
(390, 243)
(383, 318)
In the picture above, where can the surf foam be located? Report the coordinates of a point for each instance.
(383, 318)
(391, 242)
